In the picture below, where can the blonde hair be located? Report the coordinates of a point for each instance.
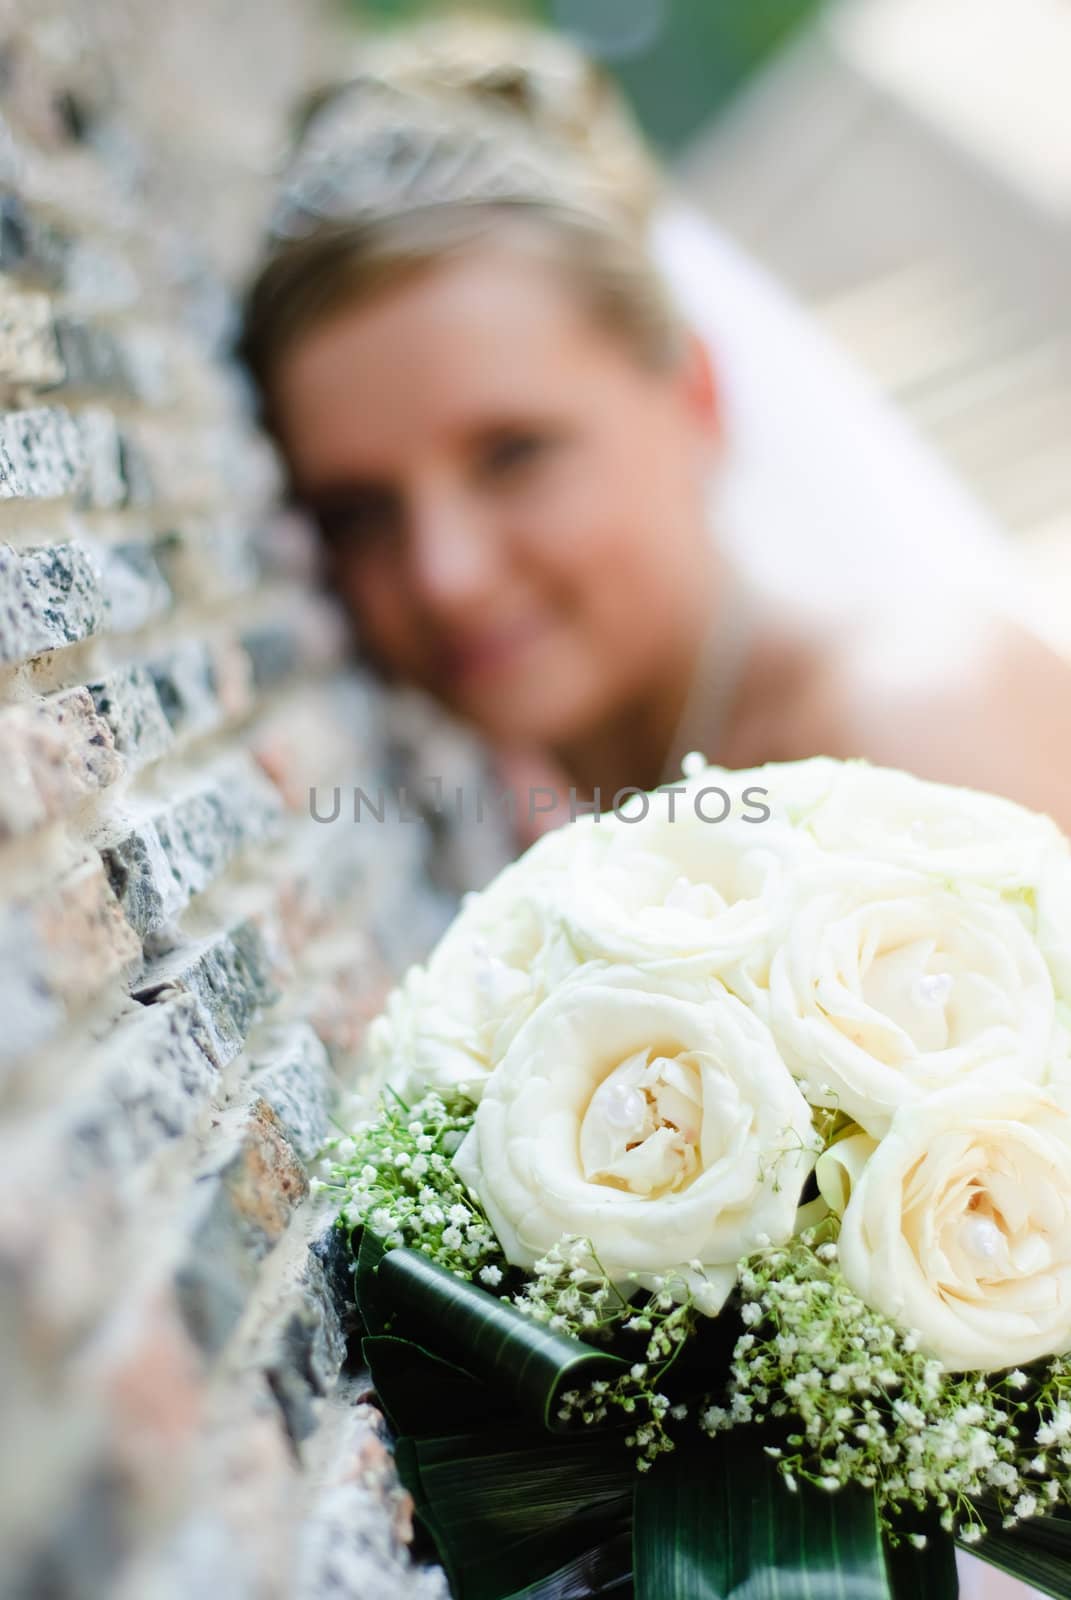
(453, 137)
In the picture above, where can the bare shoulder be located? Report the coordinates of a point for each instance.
(970, 699)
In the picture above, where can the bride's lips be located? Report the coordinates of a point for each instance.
(481, 655)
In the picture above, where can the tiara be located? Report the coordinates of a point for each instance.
(378, 149)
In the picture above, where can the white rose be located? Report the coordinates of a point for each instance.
(663, 1130)
(450, 1020)
(959, 1225)
(675, 895)
(931, 828)
(888, 987)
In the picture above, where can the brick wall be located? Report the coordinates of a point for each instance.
(188, 961)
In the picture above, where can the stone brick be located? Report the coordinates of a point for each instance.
(130, 706)
(29, 353)
(251, 1182)
(302, 1346)
(134, 588)
(57, 950)
(106, 485)
(54, 752)
(29, 247)
(51, 598)
(145, 1085)
(273, 649)
(185, 464)
(139, 1380)
(187, 687)
(96, 274)
(355, 1537)
(92, 358)
(42, 456)
(175, 851)
(229, 976)
(290, 1069)
(208, 560)
(237, 1538)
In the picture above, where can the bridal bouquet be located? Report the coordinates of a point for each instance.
(714, 1228)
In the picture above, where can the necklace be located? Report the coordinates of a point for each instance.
(715, 682)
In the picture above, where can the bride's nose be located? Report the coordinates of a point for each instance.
(455, 562)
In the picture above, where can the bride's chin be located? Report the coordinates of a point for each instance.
(543, 711)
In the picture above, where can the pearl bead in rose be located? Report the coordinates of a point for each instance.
(665, 1130)
(642, 1128)
(958, 1223)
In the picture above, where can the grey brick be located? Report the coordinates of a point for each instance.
(303, 1345)
(30, 248)
(92, 358)
(134, 588)
(177, 850)
(187, 688)
(248, 1189)
(274, 651)
(128, 702)
(106, 487)
(208, 559)
(29, 352)
(290, 1069)
(42, 454)
(57, 950)
(142, 879)
(144, 1086)
(52, 597)
(229, 975)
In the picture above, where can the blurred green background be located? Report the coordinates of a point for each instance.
(679, 60)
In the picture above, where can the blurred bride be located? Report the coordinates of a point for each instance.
(599, 537)
(595, 536)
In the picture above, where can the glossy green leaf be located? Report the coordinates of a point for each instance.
(370, 1251)
(509, 1508)
(422, 1394)
(486, 1336)
(605, 1570)
(715, 1521)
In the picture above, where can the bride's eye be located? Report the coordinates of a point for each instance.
(361, 521)
(508, 453)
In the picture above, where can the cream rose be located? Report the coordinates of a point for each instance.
(888, 987)
(677, 896)
(450, 1020)
(931, 828)
(664, 1130)
(959, 1225)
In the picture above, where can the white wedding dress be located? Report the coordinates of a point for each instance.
(828, 497)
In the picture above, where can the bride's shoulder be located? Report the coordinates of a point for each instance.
(956, 695)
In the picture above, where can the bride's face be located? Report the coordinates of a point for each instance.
(513, 502)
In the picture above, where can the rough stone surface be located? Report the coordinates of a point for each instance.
(42, 456)
(54, 751)
(57, 950)
(291, 1070)
(29, 349)
(229, 977)
(131, 709)
(245, 1199)
(134, 588)
(178, 849)
(49, 598)
(188, 963)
